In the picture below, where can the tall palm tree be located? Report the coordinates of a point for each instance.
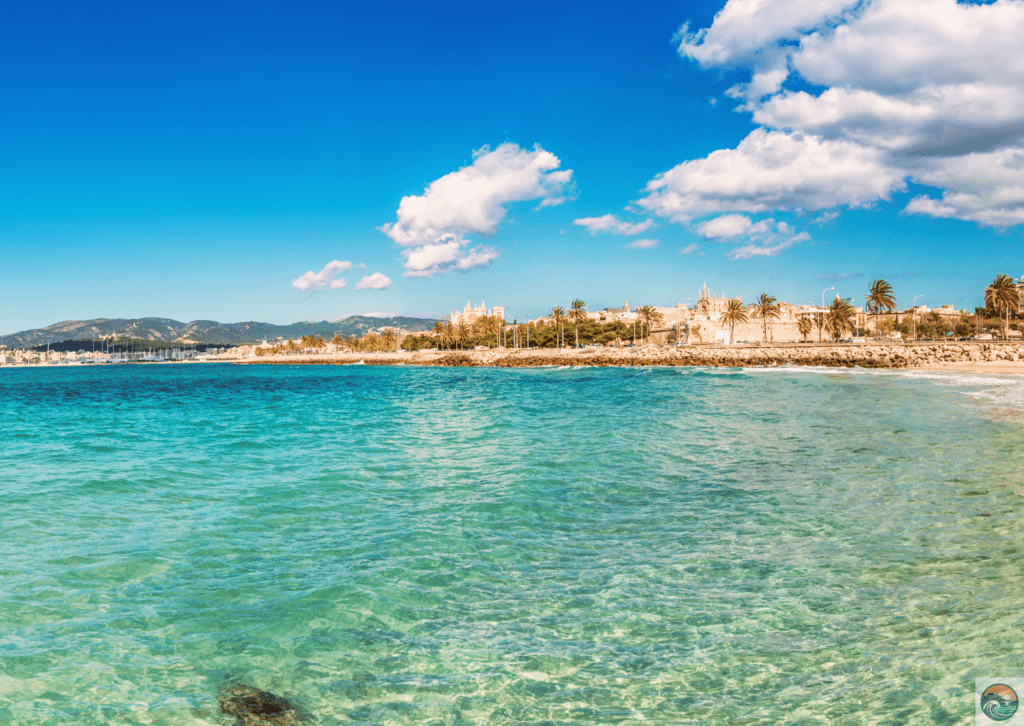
(577, 313)
(837, 320)
(804, 325)
(649, 317)
(495, 325)
(880, 298)
(389, 339)
(461, 335)
(734, 313)
(558, 318)
(439, 331)
(1001, 295)
(767, 308)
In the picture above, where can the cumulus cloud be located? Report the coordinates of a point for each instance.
(432, 227)
(376, 281)
(767, 249)
(328, 277)
(772, 170)
(928, 91)
(731, 225)
(641, 244)
(765, 238)
(611, 223)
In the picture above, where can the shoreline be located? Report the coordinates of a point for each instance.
(963, 357)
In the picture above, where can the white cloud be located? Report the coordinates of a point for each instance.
(730, 225)
(772, 170)
(971, 184)
(768, 249)
(611, 223)
(315, 281)
(690, 248)
(824, 218)
(376, 281)
(641, 244)
(765, 238)
(930, 91)
(472, 200)
(449, 253)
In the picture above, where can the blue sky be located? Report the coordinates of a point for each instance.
(231, 161)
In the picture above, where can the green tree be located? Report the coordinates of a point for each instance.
(577, 313)
(1002, 295)
(880, 298)
(734, 313)
(804, 325)
(838, 319)
(766, 308)
(389, 339)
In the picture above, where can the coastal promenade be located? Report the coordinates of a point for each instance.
(994, 357)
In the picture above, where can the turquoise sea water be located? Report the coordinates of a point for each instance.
(481, 546)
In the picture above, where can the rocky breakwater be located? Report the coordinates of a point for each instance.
(888, 355)
(842, 356)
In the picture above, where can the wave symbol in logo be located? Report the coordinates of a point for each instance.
(999, 702)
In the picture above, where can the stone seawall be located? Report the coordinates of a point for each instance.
(922, 355)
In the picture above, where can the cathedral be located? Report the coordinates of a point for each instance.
(710, 307)
(470, 315)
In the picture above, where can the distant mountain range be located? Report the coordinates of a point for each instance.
(205, 331)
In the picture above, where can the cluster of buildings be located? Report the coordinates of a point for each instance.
(704, 320)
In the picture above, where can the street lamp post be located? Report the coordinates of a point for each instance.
(914, 316)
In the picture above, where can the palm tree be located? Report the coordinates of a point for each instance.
(837, 320)
(734, 313)
(337, 341)
(558, 318)
(819, 323)
(439, 331)
(389, 339)
(767, 308)
(880, 299)
(804, 325)
(577, 313)
(461, 335)
(1001, 295)
(492, 326)
(649, 317)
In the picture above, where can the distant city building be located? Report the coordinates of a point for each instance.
(710, 307)
(470, 315)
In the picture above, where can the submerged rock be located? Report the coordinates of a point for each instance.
(253, 707)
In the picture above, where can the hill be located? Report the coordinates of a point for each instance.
(205, 331)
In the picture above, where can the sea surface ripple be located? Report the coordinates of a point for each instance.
(490, 546)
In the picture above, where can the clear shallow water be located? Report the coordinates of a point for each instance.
(451, 546)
